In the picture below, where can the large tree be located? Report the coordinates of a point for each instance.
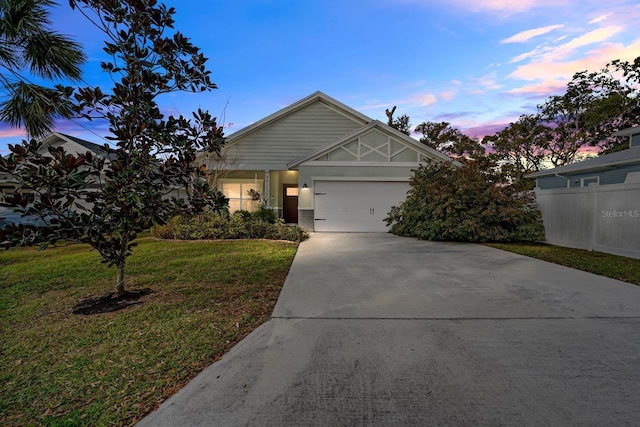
(442, 136)
(28, 44)
(594, 106)
(521, 148)
(106, 202)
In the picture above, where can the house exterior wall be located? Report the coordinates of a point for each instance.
(606, 177)
(603, 218)
(549, 182)
(289, 138)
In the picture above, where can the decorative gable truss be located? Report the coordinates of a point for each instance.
(375, 143)
(372, 147)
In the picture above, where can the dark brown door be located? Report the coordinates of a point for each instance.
(290, 203)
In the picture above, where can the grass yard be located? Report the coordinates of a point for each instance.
(616, 267)
(62, 369)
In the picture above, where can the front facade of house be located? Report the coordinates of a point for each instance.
(320, 164)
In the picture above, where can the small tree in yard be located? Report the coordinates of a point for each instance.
(465, 204)
(106, 202)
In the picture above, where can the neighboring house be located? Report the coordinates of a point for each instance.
(321, 164)
(71, 144)
(614, 168)
(594, 204)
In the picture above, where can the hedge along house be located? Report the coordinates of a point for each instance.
(320, 164)
(594, 204)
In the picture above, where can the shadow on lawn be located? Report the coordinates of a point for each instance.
(109, 302)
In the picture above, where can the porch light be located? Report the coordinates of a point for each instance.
(305, 185)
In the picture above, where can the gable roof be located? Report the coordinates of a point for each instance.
(374, 124)
(628, 131)
(94, 148)
(607, 161)
(318, 96)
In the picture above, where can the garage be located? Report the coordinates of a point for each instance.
(356, 206)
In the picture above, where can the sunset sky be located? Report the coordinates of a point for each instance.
(477, 64)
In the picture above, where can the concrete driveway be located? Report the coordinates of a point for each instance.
(374, 329)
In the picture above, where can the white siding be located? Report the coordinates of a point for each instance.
(70, 147)
(291, 137)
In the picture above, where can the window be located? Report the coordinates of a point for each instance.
(590, 180)
(291, 192)
(241, 196)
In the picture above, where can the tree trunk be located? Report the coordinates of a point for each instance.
(119, 290)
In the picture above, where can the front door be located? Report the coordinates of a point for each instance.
(290, 203)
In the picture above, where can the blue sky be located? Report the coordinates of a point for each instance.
(477, 64)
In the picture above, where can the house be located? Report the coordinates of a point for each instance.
(614, 168)
(321, 164)
(71, 144)
(594, 204)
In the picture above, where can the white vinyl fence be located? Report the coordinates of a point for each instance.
(603, 218)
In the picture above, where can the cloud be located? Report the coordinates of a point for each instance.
(484, 130)
(450, 117)
(504, 7)
(480, 85)
(544, 89)
(448, 95)
(555, 66)
(529, 34)
(595, 36)
(600, 18)
(9, 132)
(547, 53)
(427, 99)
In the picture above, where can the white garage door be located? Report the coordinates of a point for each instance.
(356, 205)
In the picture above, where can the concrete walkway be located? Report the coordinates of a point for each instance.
(374, 329)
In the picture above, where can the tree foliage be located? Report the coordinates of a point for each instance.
(443, 137)
(102, 201)
(465, 204)
(28, 44)
(594, 106)
(521, 148)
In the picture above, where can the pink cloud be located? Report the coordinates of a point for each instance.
(505, 6)
(552, 68)
(543, 89)
(7, 132)
(481, 131)
(529, 34)
(427, 99)
(448, 95)
(600, 18)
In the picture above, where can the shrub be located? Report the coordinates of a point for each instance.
(465, 204)
(264, 214)
(240, 225)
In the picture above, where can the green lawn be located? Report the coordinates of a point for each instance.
(616, 267)
(62, 369)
